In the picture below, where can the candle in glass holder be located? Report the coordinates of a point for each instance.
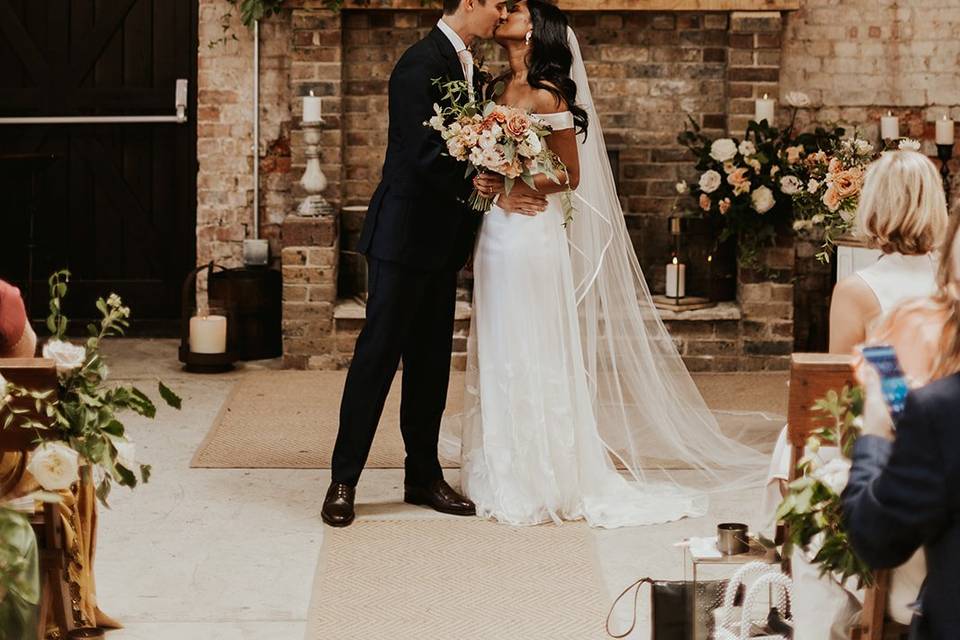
(889, 126)
(945, 131)
(312, 109)
(208, 334)
(765, 109)
(676, 279)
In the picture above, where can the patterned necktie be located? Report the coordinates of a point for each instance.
(466, 61)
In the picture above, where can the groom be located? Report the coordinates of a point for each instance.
(418, 234)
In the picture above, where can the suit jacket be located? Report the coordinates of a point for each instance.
(418, 215)
(906, 493)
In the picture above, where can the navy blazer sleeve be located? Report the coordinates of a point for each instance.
(896, 498)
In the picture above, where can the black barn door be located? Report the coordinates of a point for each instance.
(116, 204)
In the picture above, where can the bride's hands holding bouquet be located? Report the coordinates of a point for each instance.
(522, 199)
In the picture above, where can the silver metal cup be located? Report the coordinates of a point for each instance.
(732, 538)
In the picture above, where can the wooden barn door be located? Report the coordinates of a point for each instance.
(114, 203)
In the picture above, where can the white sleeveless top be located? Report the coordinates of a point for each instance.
(896, 277)
(557, 121)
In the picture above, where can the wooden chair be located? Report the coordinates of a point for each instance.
(39, 374)
(812, 375)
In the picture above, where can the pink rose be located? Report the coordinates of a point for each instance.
(739, 181)
(705, 202)
(848, 183)
(517, 125)
(725, 205)
(832, 199)
(834, 166)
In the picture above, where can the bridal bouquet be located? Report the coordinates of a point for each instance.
(825, 185)
(812, 508)
(493, 138)
(87, 431)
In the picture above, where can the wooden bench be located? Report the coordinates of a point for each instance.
(812, 376)
(39, 374)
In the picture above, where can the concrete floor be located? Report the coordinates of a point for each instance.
(214, 554)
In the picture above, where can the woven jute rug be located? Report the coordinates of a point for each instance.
(456, 578)
(289, 419)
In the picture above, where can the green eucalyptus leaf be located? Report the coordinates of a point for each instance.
(169, 396)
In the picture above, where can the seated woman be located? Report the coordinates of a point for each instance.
(78, 504)
(903, 213)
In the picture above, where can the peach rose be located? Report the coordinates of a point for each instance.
(832, 198)
(834, 166)
(725, 205)
(739, 181)
(848, 183)
(705, 202)
(793, 154)
(517, 125)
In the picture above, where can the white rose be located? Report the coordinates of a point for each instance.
(682, 187)
(533, 141)
(55, 466)
(67, 356)
(747, 148)
(909, 144)
(723, 149)
(835, 474)
(710, 181)
(812, 186)
(436, 122)
(126, 454)
(3, 390)
(762, 199)
(863, 147)
(790, 185)
(797, 99)
(755, 165)
(818, 218)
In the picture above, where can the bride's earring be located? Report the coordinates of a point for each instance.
(529, 37)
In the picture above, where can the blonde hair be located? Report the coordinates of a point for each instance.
(947, 361)
(902, 208)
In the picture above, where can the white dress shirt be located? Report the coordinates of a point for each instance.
(463, 53)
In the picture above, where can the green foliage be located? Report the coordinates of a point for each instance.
(250, 12)
(19, 577)
(812, 508)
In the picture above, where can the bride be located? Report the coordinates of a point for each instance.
(570, 370)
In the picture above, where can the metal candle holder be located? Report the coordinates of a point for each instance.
(945, 153)
(313, 180)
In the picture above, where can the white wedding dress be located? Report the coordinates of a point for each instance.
(569, 367)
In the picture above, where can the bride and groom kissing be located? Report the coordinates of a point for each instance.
(569, 367)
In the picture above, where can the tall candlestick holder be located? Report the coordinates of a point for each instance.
(945, 153)
(313, 180)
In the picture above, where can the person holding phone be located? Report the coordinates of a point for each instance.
(904, 484)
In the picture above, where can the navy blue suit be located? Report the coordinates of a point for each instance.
(906, 493)
(417, 235)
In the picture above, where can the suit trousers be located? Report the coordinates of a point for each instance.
(410, 317)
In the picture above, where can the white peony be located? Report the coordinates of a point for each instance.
(55, 466)
(797, 99)
(126, 454)
(790, 185)
(835, 474)
(723, 149)
(67, 356)
(747, 148)
(710, 181)
(762, 199)
(682, 187)
(909, 144)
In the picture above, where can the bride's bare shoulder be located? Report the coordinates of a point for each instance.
(546, 101)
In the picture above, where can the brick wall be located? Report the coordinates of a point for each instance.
(857, 60)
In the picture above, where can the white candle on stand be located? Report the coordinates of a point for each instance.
(208, 334)
(945, 131)
(765, 110)
(676, 280)
(312, 110)
(889, 126)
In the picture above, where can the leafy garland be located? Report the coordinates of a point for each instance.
(812, 508)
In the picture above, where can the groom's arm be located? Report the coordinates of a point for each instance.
(412, 96)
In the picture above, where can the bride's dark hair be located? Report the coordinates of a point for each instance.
(550, 58)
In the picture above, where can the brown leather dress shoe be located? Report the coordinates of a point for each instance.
(338, 505)
(441, 497)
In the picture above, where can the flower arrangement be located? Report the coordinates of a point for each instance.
(812, 508)
(826, 182)
(84, 413)
(740, 184)
(493, 138)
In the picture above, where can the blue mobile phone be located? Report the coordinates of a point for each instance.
(892, 381)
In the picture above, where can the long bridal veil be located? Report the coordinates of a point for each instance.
(649, 412)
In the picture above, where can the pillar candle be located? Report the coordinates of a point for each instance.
(765, 110)
(208, 334)
(676, 280)
(945, 131)
(889, 126)
(312, 108)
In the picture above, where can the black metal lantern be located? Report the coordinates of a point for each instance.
(689, 270)
(207, 350)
